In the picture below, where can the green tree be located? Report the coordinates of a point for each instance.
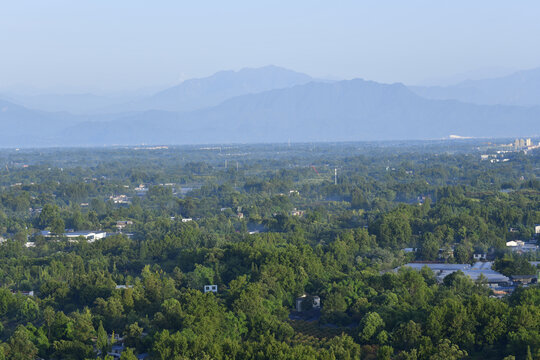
(385, 352)
(128, 354)
(448, 351)
(20, 347)
(371, 323)
(102, 342)
(48, 318)
(529, 354)
(58, 227)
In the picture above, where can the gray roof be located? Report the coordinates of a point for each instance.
(474, 272)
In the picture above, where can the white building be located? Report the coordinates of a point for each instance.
(514, 243)
(89, 236)
(210, 288)
(120, 199)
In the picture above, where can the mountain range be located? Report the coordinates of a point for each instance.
(272, 104)
(521, 88)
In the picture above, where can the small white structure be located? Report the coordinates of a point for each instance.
(30, 244)
(537, 229)
(185, 220)
(210, 288)
(515, 243)
(123, 287)
(25, 293)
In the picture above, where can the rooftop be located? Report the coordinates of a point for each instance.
(474, 272)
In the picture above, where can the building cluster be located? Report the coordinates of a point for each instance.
(500, 284)
(120, 199)
(522, 143)
(521, 247)
(494, 158)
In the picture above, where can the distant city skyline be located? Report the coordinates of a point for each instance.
(61, 46)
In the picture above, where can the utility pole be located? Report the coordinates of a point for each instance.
(335, 176)
(225, 164)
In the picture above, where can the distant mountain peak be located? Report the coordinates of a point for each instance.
(208, 91)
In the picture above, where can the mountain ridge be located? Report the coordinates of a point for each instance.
(521, 88)
(198, 93)
(339, 111)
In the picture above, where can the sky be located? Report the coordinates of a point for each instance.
(104, 46)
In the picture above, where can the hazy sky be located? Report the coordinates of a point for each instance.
(114, 45)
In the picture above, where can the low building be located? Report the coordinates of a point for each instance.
(122, 224)
(480, 270)
(25, 293)
(521, 246)
(89, 236)
(210, 288)
(524, 279)
(120, 199)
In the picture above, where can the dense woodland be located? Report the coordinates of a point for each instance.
(342, 244)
